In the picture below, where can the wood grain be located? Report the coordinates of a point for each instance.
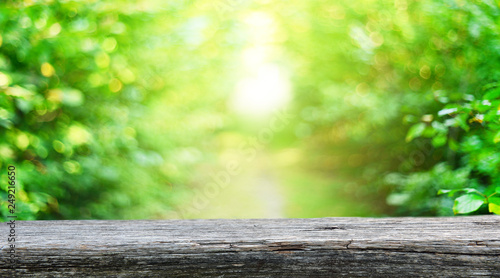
(325, 247)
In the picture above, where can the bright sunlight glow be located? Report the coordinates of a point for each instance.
(262, 93)
(265, 87)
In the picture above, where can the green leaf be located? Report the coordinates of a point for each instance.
(493, 94)
(447, 111)
(461, 120)
(453, 144)
(444, 191)
(497, 189)
(494, 205)
(494, 208)
(468, 203)
(496, 139)
(440, 127)
(451, 192)
(415, 131)
(439, 140)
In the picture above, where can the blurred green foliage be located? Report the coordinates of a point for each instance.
(108, 108)
(77, 80)
(401, 95)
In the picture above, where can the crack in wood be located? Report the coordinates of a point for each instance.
(495, 255)
(285, 246)
(349, 243)
(330, 228)
(325, 228)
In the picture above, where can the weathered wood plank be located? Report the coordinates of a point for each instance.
(326, 247)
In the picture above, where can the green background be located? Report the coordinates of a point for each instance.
(126, 109)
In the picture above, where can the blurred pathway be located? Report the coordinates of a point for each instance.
(254, 193)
